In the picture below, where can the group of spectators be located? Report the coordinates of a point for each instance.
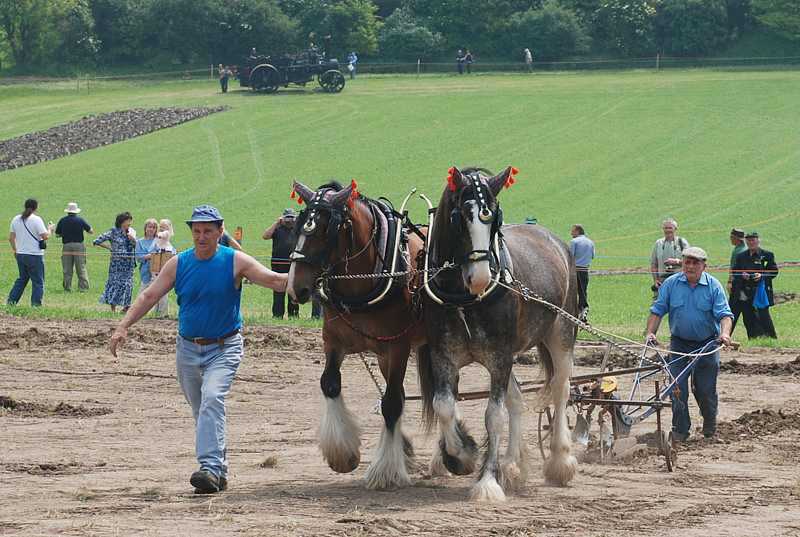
(29, 238)
(749, 284)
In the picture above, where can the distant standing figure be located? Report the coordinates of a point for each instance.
(753, 272)
(665, 259)
(528, 59)
(161, 251)
(121, 241)
(27, 236)
(142, 252)
(224, 75)
(352, 60)
(73, 251)
(468, 60)
(460, 62)
(281, 233)
(230, 242)
(582, 249)
(737, 241)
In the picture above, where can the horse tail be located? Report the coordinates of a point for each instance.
(544, 396)
(425, 373)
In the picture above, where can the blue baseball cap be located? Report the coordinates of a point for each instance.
(204, 213)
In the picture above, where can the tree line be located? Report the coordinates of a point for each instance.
(109, 33)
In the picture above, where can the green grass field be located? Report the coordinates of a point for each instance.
(617, 152)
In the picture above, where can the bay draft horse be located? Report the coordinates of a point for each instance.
(339, 233)
(470, 317)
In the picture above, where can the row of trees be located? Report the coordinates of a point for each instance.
(121, 32)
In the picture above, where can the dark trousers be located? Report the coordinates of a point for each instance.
(704, 385)
(736, 308)
(31, 268)
(279, 299)
(316, 307)
(223, 84)
(583, 286)
(757, 321)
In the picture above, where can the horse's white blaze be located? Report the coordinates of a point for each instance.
(339, 436)
(388, 469)
(290, 283)
(477, 274)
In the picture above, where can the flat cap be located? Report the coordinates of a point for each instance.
(751, 235)
(695, 252)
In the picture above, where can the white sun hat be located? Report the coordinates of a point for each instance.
(72, 207)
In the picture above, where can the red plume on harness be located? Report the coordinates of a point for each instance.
(511, 179)
(353, 194)
(451, 183)
(294, 195)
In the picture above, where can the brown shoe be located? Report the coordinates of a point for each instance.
(204, 482)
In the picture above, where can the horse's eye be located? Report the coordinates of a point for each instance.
(485, 215)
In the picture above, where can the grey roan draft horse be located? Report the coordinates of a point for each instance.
(469, 318)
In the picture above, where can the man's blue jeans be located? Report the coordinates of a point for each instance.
(205, 373)
(31, 267)
(704, 386)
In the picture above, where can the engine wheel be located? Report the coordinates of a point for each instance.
(265, 78)
(332, 81)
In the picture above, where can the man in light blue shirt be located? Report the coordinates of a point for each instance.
(582, 249)
(698, 314)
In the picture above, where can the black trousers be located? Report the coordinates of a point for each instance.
(736, 309)
(583, 286)
(757, 321)
(223, 84)
(279, 299)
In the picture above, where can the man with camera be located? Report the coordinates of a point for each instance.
(753, 272)
(281, 233)
(665, 259)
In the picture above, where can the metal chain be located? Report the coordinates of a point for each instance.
(529, 295)
(383, 275)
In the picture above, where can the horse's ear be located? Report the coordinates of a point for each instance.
(454, 179)
(301, 190)
(339, 198)
(503, 179)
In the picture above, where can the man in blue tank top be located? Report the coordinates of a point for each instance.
(208, 283)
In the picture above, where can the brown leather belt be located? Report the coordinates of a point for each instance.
(210, 340)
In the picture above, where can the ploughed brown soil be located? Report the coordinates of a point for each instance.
(90, 445)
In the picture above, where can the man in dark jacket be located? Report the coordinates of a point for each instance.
(281, 233)
(73, 254)
(752, 268)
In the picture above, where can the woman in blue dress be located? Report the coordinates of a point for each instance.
(121, 241)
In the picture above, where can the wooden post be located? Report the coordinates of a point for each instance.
(419, 61)
(658, 61)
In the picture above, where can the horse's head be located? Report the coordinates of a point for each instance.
(319, 229)
(468, 221)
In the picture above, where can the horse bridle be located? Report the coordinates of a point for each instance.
(477, 190)
(338, 217)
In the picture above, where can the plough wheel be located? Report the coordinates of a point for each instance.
(544, 431)
(667, 449)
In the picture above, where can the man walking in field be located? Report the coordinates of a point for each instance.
(698, 314)
(208, 283)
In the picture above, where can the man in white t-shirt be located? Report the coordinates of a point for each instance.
(27, 230)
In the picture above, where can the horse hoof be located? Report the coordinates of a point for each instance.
(487, 490)
(345, 466)
(560, 472)
(456, 466)
(513, 476)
